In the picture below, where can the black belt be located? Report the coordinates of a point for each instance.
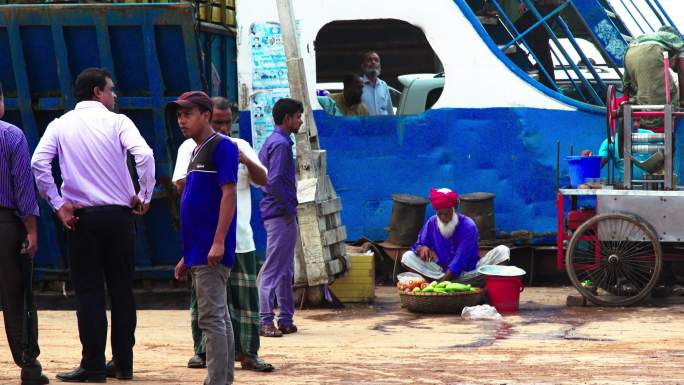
(99, 209)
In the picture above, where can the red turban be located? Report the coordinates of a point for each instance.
(443, 198)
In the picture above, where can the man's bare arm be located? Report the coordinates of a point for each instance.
(257, 172)
(226, 213)
(31, 234)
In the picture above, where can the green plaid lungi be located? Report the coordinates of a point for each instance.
(243, 305)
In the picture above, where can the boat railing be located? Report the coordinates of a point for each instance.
(598, 21)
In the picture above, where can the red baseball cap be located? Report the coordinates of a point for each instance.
(193, 99)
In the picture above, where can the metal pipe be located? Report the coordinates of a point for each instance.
(639, 107)
(567, 74)
(647, 148)
(511, 26)
(655, 12)
(642, 15)
(583, 57)
(662, 10)
(666, 71)
(567, 57)
(535, 25)
(632, 16)
(655, 114)
(669, 147)
(650, 138)
(557, 165)
(627, 144)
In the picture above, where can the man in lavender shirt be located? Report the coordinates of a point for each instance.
(279, 213)
(96, 205)
(18, 212)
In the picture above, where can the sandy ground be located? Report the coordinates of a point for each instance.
(546, 343)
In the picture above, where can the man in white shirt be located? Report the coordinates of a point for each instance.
(376, 94)
(96, 205)
(243, 294)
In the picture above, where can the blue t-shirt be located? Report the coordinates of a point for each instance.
(213, 164)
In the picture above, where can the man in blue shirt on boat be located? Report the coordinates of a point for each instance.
(447, 248)
(376, 94)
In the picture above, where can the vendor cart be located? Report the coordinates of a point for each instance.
(611, 238)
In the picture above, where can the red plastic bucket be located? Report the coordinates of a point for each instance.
(504, 292)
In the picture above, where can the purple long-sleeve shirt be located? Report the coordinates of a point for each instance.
(280, 193)
(16, 182)
(459, 252)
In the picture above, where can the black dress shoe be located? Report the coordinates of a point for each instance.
(40, 380)
(198, 361)
(119, 374)
(81, 375)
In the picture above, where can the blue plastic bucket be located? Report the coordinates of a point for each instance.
(581, 168)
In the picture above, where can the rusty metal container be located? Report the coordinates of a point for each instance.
(480, 207)
(408, 215)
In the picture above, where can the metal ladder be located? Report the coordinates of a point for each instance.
(596, 20)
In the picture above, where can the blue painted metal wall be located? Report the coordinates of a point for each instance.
(508, 151)
(154, 53)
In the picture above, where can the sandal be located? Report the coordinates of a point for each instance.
(256, 364)
(288, 329)
(269, 331)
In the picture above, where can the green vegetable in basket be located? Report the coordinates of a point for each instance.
(433, 283)
(440, 290)
(458, 287)
(443, 284)
(416, 289)
(455, 287)
(428, 289)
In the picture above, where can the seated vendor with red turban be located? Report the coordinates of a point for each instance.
(447, 248)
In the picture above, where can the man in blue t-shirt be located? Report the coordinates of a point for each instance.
(208, 226)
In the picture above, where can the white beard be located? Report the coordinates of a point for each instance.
(447, 229)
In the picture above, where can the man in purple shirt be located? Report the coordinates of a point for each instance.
(279, 213)
(18, 212)
(447, 248)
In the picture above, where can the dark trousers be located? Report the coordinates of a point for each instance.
(101, 249)
(12, 234)
(538, 41)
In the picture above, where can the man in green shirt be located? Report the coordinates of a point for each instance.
(644, 78)
(349, 101)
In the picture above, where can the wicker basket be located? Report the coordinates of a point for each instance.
(440, 302)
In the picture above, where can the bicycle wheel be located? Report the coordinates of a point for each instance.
(614, 259)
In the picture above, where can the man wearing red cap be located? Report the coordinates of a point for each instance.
(447, 248)
(208, 225)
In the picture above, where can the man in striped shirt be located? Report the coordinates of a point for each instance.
(18, 212)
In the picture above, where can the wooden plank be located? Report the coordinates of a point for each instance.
(330, 206)
(330, 221)
(306, 190)
(312, 247)
(330, 187)
(300, 276)
(335, 235)
(335, 267)
(320, 161)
